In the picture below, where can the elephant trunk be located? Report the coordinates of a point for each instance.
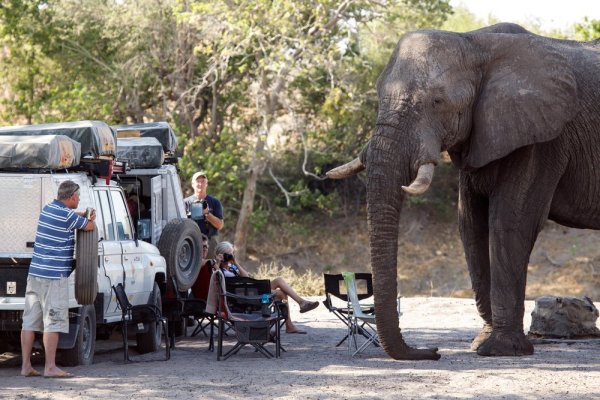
(386, 175)
(383, 232)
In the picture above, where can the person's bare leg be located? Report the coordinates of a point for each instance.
(281, 284)
(27, 338)
(289, 324)
(50, 345)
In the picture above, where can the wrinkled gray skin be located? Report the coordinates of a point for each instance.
(520, 117)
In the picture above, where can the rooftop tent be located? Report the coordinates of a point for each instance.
(44, 152)
(140, 152)
(159, 130)
(96, 137)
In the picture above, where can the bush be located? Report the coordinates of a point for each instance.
(307, 284)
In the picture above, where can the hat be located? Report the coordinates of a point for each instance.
(198, 175)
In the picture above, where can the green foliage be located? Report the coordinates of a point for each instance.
(463, 20)
(225, 74)
(224, 161)
(24, 32)
(589, 29)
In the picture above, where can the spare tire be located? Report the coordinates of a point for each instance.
(181, 245)
(86, 271)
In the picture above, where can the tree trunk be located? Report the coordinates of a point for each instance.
(243, 223)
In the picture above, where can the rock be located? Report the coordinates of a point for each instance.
(564, 317)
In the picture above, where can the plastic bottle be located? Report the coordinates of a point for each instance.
(265, 300)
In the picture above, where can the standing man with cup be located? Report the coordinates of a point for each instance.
(206, 210)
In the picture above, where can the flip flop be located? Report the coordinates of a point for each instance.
(298, 331)
(32, 373)
(62, 375)
(309, 305)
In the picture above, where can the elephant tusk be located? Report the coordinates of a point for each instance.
(422, 181)
(347, 170)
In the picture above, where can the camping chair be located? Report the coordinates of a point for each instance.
(368, 324)
(249, 307)
(195, 307)
(336, 288)
(255, 287)
(133, 316)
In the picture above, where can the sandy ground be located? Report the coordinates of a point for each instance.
(313, 368)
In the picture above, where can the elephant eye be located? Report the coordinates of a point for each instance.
(438, 101)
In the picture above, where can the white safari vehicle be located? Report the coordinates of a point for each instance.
(34, 160)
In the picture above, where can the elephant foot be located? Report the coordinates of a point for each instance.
(417, 354)
(506, 344)
(484, 334)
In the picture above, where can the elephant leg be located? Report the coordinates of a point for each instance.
(473, 227)
(519, 206)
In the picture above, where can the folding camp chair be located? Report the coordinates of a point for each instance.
(368, 324)
(249, 307)
(194, 306)
(335, 288)
(255, 287)
(136, 316)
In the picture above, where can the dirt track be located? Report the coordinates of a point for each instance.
(313, 368)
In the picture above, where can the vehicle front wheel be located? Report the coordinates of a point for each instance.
(83, 351)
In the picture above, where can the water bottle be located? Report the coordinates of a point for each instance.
(265, 300)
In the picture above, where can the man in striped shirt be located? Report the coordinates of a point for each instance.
(46, 295)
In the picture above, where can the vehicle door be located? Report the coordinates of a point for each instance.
(156, 208)
(109, 251)
(135, 284)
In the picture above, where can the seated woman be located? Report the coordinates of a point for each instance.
(225, 260)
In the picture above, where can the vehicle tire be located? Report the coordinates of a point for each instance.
(86, 272)
(150, 341)
(181, 245)
(85, 344)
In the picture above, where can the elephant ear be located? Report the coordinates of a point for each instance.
(528, 93)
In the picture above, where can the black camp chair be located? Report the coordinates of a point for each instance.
(249, 307)
(132, 316)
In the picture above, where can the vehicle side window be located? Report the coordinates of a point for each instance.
(100, 217)
(124, 229)
(106, 215)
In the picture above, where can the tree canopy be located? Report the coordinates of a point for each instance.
(264, 95)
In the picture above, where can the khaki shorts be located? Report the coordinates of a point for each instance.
(46, 305)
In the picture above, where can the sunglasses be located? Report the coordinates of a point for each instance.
(75, 192)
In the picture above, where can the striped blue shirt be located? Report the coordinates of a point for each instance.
(55, 241)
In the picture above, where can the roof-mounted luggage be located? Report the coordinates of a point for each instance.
(140, 152)
(39, 152)
(97, 139)
(162, 131)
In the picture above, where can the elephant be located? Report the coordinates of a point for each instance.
(519, 115)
